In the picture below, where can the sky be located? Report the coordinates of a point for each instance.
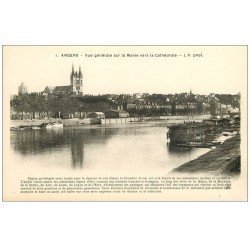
(150, 69)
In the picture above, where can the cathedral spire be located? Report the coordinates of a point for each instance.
(73, 71)
(76, 80)
(80, 72)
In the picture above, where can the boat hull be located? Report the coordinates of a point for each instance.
(188, 132)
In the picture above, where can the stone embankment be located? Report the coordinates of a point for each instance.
(224, 159)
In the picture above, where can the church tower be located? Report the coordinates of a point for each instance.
(76, 81)
(22, 89)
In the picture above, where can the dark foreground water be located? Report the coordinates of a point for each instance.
(129, 147)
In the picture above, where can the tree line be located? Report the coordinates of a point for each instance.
(53, 105)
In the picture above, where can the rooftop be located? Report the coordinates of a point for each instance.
(62, 88)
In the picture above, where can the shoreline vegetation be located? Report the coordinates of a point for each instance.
(224, 159)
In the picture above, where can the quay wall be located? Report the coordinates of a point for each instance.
(119, 120)
(87, 121)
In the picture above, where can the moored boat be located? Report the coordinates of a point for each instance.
(196, 144)
(204, 144)
(52, 125)
(188, 132)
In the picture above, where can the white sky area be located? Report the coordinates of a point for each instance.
(221, 69)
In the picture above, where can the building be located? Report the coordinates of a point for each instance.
(76, 81)
(116, 114)
(48, 90)
(62, 90)
(99, 115)
(228, 109)
(130, 104)
(76, 84)
(22, 89)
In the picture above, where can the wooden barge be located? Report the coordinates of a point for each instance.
(190, 132)
(202, 134)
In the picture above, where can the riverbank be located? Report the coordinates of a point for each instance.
(86, 122)
(225, 159)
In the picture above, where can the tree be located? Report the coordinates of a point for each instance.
(213, 107)
(200, 108)
(20, 104)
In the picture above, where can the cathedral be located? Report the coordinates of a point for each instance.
(75, 87)
(76, 81)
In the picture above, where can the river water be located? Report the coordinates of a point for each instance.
(127, 148)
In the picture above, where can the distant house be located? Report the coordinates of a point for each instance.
(116, 114)
(48, 90)
(130, 104)
(100, 115)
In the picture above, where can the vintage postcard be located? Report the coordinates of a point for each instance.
(125, 123)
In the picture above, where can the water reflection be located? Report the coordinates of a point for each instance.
(175, 149)
(77, 151)
(108, 148)
(35, 142)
